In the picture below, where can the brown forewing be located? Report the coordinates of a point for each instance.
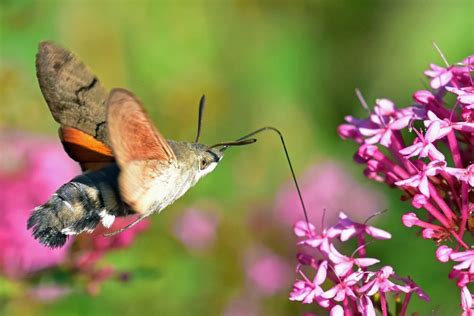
(75, 96)
(131, 132)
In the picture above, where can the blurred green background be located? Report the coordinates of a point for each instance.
(290, 64)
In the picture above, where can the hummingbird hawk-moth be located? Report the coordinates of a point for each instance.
(128, 166)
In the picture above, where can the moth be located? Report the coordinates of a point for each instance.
(128, 166)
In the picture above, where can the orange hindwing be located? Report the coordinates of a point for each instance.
(90, 153)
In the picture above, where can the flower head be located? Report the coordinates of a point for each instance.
(434, 171)
(31, 169)
(346, 279)
(196, 229)
(347, 229)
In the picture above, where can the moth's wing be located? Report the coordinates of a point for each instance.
(142, 153)
(90, 153)
(75, 97)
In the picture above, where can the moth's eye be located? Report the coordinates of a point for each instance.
(204, 164)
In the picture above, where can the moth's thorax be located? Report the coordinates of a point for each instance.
(174, 179)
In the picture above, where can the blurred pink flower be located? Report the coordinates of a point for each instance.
(327, 186)
(31, 169)
(268, 273)
(49, 293)
(92, 247)
(89, 249)
(242, 306)
(196, 229)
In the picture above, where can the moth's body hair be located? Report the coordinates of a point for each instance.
(78, 206)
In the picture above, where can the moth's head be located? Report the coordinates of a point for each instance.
(206, 158)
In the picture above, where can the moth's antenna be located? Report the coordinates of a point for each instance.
(135, 222)
(270, 128)
(202, 103)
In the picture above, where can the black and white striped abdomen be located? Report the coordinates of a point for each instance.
(79, 206)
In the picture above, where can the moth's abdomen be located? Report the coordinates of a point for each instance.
(78, 206)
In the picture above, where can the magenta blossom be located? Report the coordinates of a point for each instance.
(327, 185)
(467, 302)
(347, 229)
(344, 265)
(307, 291)
(31, 169)
(343, 284)
(310, 238)
(267, 272)
(420, 180)
(196, 229)
(381, 283)
(441, 76)
(465, 95)
(435, 170)
(94, 246)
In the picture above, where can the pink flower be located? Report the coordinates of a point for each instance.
(347, 131)
(316, 241)
(268, 273)
(327, 185)
(92, 247)
(443, 252)
(466, 258)
(419, 200)
(420, 180)
(196, 229)
(31, 169)
(423, 146)
(414, 288)
(465, 175)
(310, 238)
(242, 306)
(365, 306)
(344, 288)
(347, 229)
(381, 283)
(386, 119)
(442, 192)
(441, 76)
(303, 229)
(337, 310)
(350, 287)
(465, 95)
(49, 293)
(463, 278)
(343, 264)
(467, 302)
(409, 219)
(446, 126)
(306, 291)
(423, 97)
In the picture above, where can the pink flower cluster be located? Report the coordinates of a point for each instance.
(427, 151)
(89, 249)
(345, 285)
(31, 169)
